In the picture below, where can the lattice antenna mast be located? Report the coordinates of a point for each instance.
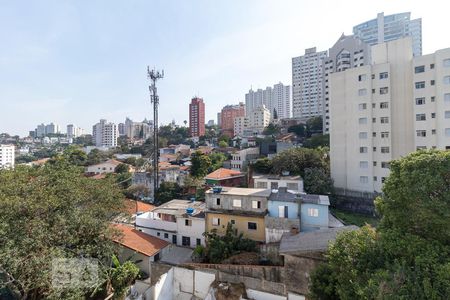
(154, 75)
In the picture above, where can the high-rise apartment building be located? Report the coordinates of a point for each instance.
(386, 109)
(348, 52)
(276, 98)
(137, 130)
(389, 28)
(307, 84)
(240, 124)
(259, 119)
(228, 114)
(7, 156)
(121, 129)
(105, 134)
(197, 117)
(74, 131)
(52, 129)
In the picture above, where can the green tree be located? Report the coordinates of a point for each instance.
(122, 168)
(168, 191)
(408, 256)
(122, 276)
(52, 212)
(224, 138)
(320, 140)
(96, 156)
(223, 144)
(217, 159)
(200, 164)
(314, 125)
(317, 181)
(262, 165)
(299, 130)
(272, 129)
(297, 160)
(75, 156)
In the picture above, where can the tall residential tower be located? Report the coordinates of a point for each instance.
(197, 117)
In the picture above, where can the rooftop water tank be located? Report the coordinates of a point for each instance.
(189, 210)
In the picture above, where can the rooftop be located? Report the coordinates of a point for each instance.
(315, 199)
(277, 177)
(222, 173)
(135, 206)
(284, 195)
(109, 161)
(139, 241)
(178, 208)
(313, 241)
(243, 192)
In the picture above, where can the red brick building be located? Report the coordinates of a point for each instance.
(197, 117)
(228, 114)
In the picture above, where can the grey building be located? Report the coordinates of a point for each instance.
(389, 28)
(348, 52)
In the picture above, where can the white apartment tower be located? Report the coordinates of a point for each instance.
(105, 134)
(389, 28)
(371, 112)
(259, 119)
(7, 156)
(240, 124)
(348, 52)
(307, 84)
(74, 131)
(273, 98)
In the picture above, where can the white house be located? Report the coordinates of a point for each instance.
(181, 222)
(293, 183)
(7, 154)
(241, 158)
(105, 167)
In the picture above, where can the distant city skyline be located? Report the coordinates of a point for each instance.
(76, 63)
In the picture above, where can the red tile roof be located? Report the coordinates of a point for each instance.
(223, 173)
(130, 206)
(139, 241)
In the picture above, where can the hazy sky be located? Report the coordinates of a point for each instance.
(79, 61)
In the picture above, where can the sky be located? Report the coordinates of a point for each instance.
(75, 62)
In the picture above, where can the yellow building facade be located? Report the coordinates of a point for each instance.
(252, 227)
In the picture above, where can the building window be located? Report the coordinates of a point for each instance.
(384, 105)
(433, 131)
(384, 149)
(433, 115)
(374, 134)
(363, 135)
(188, 222)
(447, 62)
(446, 79)
(362, 77)
(158, 233)
(420, 117)
(216, 221)
(233, 222)
(375, 178)
(383, 75)
(431, 82)
(384, 90)
(447, 98)
(313, 212)
(385, 165)
(421, 133)
(282, 211)
(383, 179)
(447, 132)
(419, 69)
(384, 120)
(166, 235)
(363, 179)
(198, 242)
(432, 98)
(252, 226)
(374, 163)
(420, 85)
(373, 76)
(237, 203)
(274, 185)
(362, 106)
(374, 105)
(420, 101)
(362, 149)
(256, 204)
(431, 66)
(374, 120)
(363, 164)
(261, 185)
(374, 149)
(362, 92)
(217, 201)
(362, 120)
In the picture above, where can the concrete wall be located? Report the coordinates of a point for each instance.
(309, 223)
(275, 227)
(195, 231)
(128, 254)
(298, 272)
(226, 202)
(241, 224)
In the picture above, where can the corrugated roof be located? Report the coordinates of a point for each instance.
(134, 206)
(222, 173)
(139, 241)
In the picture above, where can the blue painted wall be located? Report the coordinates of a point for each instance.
(309, 223)
(293, 212)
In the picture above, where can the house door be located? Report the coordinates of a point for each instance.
(186, 241)
(174, 239)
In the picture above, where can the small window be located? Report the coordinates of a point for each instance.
(384, 149)
(362, 92)
(374, 163)
(374, 105)
(446, 79)
(217, 201)
(447, 98)
(420, 85)
(433, 131)
(447, 114)
(433, 98)
(362, 106)
(433, 115)
(447, 132)
(447, 62)
(374, 149)
(282, 211)
(363, 179)
(384, 90)
(431, 66)
(363, 135)
(362, 120)
(384, 105)
(363, 164)
(383, 75)
(374, 134)
(431, 82)
(188, 222)
(313, 212)
(166, 235)
(198, 242)
(375, 178)
(419, 69)
(256, 204)
(233, 222)
(374, 120)
(237, 203)
(421, 133)
(421, 117)
(385, 135)
(385, 165)
(362, 77)
(362, 149)
(420, 101)
(158, 233)
(384, 120)
(216, 221)
(373, 76)
(252, 226)
(383, 179)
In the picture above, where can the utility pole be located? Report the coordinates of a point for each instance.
(154, 75)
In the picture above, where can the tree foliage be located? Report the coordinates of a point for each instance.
(272, 129)
(319, 140)
(297, 160)
(317, 181)
(408, 256)
(200, 164)
(217, 159)
(262, 165)
(221, 247)
(168, 191)
(51, 212)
